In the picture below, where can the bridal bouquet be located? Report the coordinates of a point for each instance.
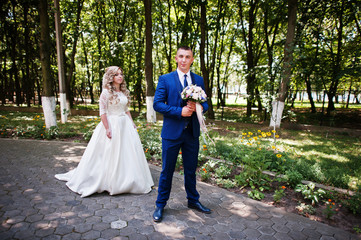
(194, 93)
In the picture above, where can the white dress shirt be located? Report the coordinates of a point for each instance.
(181, 77)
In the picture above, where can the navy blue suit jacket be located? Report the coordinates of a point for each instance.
(168, 101)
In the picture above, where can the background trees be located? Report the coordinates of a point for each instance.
(238, 42)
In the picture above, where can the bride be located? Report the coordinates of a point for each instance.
(114, 160)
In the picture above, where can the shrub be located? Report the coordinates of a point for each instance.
(204, 173)
(309, 192)
(223, 171)
(226, 183)
(279, 194)
(52, 132)
(305, 209)
(329, 211)
(256, 193)
(293, 178)
(354, 202)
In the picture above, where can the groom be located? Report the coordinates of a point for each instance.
(180, 131)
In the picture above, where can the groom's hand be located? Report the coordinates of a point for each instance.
(186, 111)
(191, 105)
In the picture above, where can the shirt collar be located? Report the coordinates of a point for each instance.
(181, 76)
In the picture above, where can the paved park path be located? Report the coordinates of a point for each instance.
(34, 205)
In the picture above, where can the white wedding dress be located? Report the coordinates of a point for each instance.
(117, 165)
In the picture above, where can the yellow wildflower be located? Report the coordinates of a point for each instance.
(278, 155)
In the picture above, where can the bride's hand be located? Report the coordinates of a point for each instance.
(109, 134)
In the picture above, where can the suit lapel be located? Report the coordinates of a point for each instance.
(178, 88)
(192, 77)
(177, 82)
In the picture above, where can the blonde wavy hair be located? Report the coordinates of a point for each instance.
(108, 84)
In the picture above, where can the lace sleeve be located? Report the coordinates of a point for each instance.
(103, 103)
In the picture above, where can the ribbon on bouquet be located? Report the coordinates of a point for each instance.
(197, 94)
(202, 123)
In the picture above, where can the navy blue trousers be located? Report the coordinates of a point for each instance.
(189, 146)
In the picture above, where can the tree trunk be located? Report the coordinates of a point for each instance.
(14, 68)
(64, 109)
(204, 69)
(167, 41)
(99, 46)
(70, 71)
(90, 84)
(287, 65)
(309, 92)
(48, 98)
(151, 114)
(248, 38)
(337, 65)
(27, 82)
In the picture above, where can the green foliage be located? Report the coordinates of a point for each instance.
(178, 164)
(226, 183)
(52, 133)
(88, 134)
(329, 211)
(293, 178)
(279, 194)
(357, 229)
(223, 171)
(305, 209)
(354, 202)
(310, 192)
(256, 194)
(150, 138)
(204, 172)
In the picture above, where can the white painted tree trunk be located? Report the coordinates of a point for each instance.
(64, 109)
(49, 111)
(277, 111)
(151, 114)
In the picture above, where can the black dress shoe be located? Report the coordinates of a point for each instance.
(199, 207)
(158, 214)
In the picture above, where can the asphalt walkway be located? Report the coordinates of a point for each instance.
(35, 205)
